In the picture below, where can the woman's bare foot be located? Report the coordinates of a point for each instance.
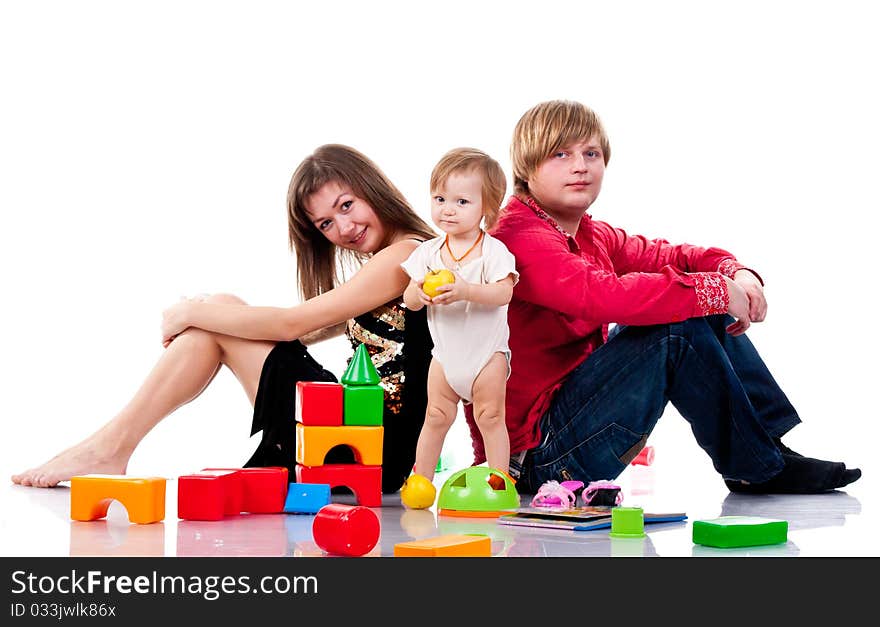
(93, 455)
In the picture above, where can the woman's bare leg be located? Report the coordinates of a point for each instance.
(185, 369)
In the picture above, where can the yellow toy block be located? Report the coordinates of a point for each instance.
(143, 497)
(313, 443)
(446, 546)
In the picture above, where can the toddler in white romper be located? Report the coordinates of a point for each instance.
(466, 334)
(467, 319)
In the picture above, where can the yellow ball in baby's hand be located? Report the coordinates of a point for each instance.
(434, 279)
(418, 492)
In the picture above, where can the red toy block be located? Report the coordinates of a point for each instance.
(319, 403)
(264, 490)
(364, 481)
(209, 495)
(346, 529)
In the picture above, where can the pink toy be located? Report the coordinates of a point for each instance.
(351, 530)
(645, 457)
(602, 493)
(555, 494)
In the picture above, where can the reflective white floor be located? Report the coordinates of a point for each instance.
(35, 522)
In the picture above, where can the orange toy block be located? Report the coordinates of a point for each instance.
(143, 497)
(313, 443)
(364, 481)
(446, 546)
(319, 403)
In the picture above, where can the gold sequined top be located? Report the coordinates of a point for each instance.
(383, 332)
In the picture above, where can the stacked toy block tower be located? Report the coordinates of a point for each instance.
(347, 413)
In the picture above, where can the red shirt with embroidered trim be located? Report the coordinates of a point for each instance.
(571, 288)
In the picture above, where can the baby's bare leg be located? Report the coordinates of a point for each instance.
(442, 408)
(489, 394)
(183, 371)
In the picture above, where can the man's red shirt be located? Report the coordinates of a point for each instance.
(571, 288)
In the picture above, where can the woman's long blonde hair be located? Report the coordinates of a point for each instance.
(318, 267)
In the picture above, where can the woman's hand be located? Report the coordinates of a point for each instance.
(755, 292)
(176, 319)
(738, 307)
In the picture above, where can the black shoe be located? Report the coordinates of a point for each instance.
(783, 448)
(801, 475)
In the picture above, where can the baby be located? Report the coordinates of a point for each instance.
(467, 318)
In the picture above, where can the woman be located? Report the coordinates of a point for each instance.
(343, 213)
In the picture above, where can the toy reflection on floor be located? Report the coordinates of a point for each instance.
(115, 538)
(253, 535)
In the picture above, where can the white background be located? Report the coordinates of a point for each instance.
(146, 149)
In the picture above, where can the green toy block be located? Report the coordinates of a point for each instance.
(362, 405)
(360, 370)
(738, 531)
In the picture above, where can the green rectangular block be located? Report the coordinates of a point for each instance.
(737, 531)
(363, 405)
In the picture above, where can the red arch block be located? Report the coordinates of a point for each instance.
(364, 481)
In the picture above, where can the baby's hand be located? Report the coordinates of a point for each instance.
(423, 298)
(452, 292)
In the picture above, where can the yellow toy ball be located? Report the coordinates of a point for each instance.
(418, 492)
(434, 279)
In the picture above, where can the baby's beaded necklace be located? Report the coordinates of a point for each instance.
(457, 260)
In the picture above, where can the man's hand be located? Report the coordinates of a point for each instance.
(755, 291)
(738, 307)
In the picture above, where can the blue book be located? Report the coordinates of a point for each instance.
(576, 518)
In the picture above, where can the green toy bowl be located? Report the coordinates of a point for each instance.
(469, 493)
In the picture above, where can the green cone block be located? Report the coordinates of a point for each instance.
(361, 370)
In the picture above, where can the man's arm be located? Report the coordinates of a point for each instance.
(636, 253)
(552, 276)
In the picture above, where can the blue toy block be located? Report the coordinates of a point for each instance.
(306, 498)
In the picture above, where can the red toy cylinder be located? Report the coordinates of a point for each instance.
(645, 457)
(346, 529)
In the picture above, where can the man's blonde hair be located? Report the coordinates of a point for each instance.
(494, 187)
(547, 127)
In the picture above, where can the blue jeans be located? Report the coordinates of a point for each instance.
(601, 417)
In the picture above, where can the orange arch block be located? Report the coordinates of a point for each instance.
(313, 443)
(143, 497)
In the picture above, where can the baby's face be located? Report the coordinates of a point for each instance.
(457, 207)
